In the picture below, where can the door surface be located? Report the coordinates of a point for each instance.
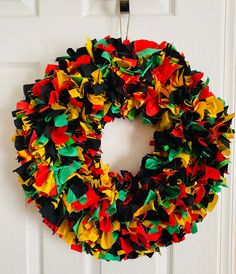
(33, 33)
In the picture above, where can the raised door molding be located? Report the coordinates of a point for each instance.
(228, 202)
(137, 7)
(20, 65)
(15, 8)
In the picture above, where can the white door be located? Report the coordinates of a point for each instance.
(33, 33)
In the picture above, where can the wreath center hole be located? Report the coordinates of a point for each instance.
(124, 143)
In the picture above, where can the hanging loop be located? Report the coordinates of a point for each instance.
(124, 9)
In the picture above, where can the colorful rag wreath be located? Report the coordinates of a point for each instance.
(58, 137)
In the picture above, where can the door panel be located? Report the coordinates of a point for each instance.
(33, 33)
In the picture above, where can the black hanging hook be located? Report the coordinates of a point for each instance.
(124, 6)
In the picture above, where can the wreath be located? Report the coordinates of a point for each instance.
(59, 123)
